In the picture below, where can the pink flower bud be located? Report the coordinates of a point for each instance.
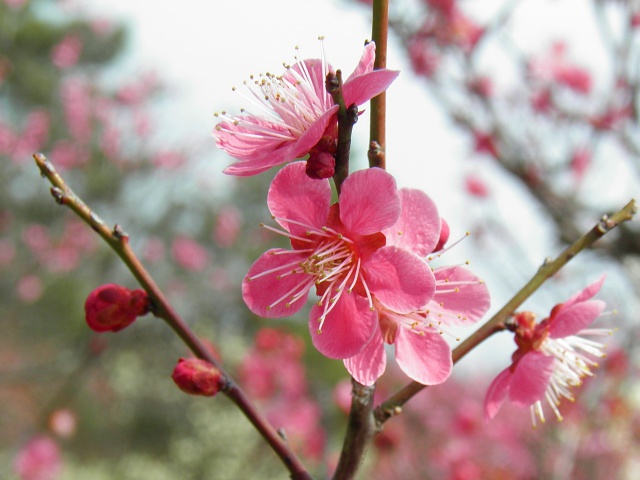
(113, 307)
(320, 165)
(197, 377)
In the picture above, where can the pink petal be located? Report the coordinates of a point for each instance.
(347, 329)
(365, 65)
(369, 201)
(259, 293)
(462, 304)
(586, 293)
(312, 70)
(425, 358)
(569, 321)
(295, 196)
(253, 138)
(531, 378)
(399, 279)
(418, 228)
(368, 365)
(312, 135)
(363, 88)
(497, 393)
(251, 167)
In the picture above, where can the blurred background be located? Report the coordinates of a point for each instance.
(519, 118)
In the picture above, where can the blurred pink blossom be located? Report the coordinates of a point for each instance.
(7, 252)
(189, 254)
(227, 227)
(29, 288)
(38, 459)
(554, 67)
(76, 101)
(33, 137)
(63, 422)
(169, 159)
(67, 52)
(153, 249)
(580, 163)
(475, 186)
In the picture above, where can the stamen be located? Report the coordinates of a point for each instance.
(286, 234)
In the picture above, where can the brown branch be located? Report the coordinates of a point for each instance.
(119, 242)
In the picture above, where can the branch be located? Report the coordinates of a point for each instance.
(550, 267)
(119, 242)
(347, 118)
(377, 129)
(360, 430)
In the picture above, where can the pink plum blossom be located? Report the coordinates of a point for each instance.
(297, 112)
(552, 356)
(460, 298)
(38, 459)
(340, 249)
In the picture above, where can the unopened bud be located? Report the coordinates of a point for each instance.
(113, 307)
(197, 377)
(320, 165)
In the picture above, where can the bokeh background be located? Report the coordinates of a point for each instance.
(519, 118)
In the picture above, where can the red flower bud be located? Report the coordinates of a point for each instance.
(320, 165)
(197, 377)
(113, 307)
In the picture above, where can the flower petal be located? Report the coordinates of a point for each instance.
(368, 365)
(530, 378)
(497, 393)
(347, 329)
(261, 292)
(569, 321)
(423, 355)
(295, 196)
(399, 279)
(418, 227)
(460, 298)
(314, 133)
(253, 138)
(362, 88)
(365, 65)
(369, 201)
(586, 293)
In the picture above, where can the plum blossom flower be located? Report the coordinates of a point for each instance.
(297, 113)
(340, 249)
(552, 356)
(460, 298)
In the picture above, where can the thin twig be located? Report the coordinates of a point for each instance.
(119, 242)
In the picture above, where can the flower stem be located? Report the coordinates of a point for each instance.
(360, 430)
(377, 129)
(119, 242)
(497, 323)
(347, 118)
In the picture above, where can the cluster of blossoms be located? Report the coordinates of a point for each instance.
(552, 356)
(366, 259)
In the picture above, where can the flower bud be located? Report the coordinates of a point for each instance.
(113, 307)
(197, 377)
(320, 165)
